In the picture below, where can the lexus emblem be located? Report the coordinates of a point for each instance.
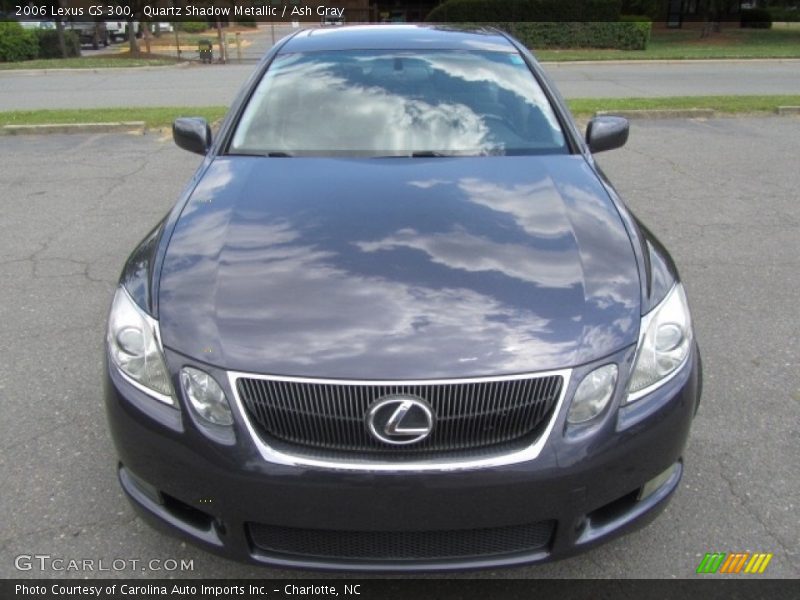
(400, 420)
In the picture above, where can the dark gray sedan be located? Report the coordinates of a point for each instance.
(399, 320)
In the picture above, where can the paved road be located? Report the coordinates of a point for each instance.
(199, 85)
(687, 78)
(194, 85)
(722, 194)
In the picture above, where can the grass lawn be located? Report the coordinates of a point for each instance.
(89, 62)
(722, 104)
(153, 117)
(676, 44)
(163, 116)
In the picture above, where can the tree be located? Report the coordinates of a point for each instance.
(137, 15)
(60, 32)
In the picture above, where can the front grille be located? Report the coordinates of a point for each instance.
(401, 545)
(470, 415)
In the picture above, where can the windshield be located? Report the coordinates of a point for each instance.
(398, 103)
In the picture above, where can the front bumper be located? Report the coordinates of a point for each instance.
(586, 486)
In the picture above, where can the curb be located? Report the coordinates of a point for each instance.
(180, 65)
(115, 127)
(679, 113)
(140, 128)
(665, 61)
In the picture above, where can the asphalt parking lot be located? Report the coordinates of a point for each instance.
(721, 194)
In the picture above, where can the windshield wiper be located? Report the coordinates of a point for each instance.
(418, 154)
(262, 153)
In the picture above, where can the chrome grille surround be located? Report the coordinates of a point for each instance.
(487, 459)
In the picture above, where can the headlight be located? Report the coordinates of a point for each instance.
(593, 394)
(664, 346)
(205, 396)
(134, 347)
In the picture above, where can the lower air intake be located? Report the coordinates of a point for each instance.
(401, 545)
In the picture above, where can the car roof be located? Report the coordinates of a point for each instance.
(397, 37)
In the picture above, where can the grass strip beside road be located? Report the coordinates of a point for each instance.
(88, 62)
(156, 117)
(721, 104)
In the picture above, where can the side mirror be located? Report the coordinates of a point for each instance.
(192, 134)
(606, 133)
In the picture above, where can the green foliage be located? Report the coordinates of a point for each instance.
(653, 9)
(784, 15)
(49, 47)
(246, 21)
(17, 43)
(595, 34)
(552, 23)
(633, 35)
(481, 11)
(757, 18)
(192, 26)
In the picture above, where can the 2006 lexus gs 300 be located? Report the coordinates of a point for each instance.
(399, 319)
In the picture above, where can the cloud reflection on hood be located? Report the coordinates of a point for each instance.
(450, 275)
(316, 313)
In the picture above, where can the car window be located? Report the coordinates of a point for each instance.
(394, 103)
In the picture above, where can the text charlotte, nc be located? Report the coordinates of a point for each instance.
(242, 11)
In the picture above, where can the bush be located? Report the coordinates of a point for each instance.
(784, 15)
(624, 36)
(552, 23)
(17, 43)
(482, 11)
(50, 48)
(192, 26)
(635, 19)
(757, 18)
(654, 10)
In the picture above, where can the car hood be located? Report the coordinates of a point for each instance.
(399, 268)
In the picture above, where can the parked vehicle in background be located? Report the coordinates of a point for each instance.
(37, 24)
(137, 28)
(117, 30)
(92, 33)
(163, 27)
